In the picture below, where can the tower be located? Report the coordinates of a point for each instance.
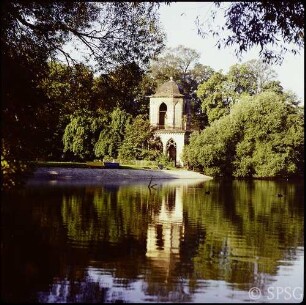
(170, 115)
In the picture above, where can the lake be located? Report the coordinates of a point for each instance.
(179, 241)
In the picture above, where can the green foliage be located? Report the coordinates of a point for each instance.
(163, 162)
(263, 136)
(182, 64)
(125, 87)
(81, 134)
(139, 142)
(13, 171)
(111, 33)
(262, 72)
(37, 97)
(276, 27)
(217, 144)
(243, 79)
(111, 137)
(220, 91)
(31, 32)
(275, 129)
(273, 86)
(214, 102)
(69, 87)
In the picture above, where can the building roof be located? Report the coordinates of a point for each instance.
(168, 89)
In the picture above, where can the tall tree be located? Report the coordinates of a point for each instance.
(174, 62)
(216, 95)
(220, 91)
(111, 32)
(35, 32)
(69, 88)
(276, 27)
(182, 63)
(81, 134)
(263, 136)
(251, 76)
(264, 73)
(119, 88)
(112, 135)
(140, 142)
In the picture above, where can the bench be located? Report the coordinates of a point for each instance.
(111, 165)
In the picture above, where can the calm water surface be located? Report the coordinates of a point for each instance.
(177, 242)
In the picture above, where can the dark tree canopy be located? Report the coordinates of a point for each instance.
(277, 27)
(111, 32)
(33, 33)
(119, 88)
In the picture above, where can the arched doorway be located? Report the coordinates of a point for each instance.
(171, 150)
(162, 115)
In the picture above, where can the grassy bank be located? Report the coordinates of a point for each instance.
(95, 164)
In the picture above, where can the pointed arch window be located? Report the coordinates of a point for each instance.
(162, 115)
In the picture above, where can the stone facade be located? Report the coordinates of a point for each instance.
(170, 114)
(173, 113)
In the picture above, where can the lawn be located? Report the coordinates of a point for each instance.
(92, 164)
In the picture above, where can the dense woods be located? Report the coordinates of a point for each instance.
(56, 107)
(262, 136)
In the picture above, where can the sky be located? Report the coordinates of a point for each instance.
(178, 21)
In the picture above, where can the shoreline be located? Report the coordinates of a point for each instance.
(98, 176)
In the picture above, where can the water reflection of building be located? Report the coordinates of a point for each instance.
(166, 231)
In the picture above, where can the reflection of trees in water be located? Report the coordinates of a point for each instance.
(108, 216)
(174, 291)
(70, 291)
(238, 233)
(248, 229)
